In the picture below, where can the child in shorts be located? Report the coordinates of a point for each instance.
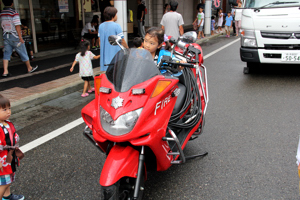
(200, 19)
(9, 146)
(228, 24)
(212, 24)
(85, 66)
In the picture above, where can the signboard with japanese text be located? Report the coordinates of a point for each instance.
(63, 6)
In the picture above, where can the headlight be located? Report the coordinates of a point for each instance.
(124, 124)
(248, 38)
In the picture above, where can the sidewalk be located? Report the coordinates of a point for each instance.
(24, 98)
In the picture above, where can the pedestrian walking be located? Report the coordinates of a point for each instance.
(213, 22)
(238, 18)
(12, 36)
(141, 18)
(200, 22)
(220, 20)
(172, 21)
(85, 66)
(10, 154)
(228, 24)
(107, 28)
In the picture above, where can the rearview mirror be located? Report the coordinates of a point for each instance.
(189, 37)
(114, 40)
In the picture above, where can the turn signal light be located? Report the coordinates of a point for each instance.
(161, 86)
(97, 84)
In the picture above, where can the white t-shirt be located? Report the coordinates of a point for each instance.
(200, 16)
(85, 63)
(171, 21)
(86, 29)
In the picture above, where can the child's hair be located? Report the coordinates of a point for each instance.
(137, 42)
(159, 34)
(109, 13)
(229, 12)
(4, 102)
(84, 44)
(212, 17)
(7, 2)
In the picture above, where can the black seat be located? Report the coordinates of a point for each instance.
(180, 99)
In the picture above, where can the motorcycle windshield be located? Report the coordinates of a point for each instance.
(130, 67)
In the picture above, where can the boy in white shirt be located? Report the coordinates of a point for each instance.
(200, 18)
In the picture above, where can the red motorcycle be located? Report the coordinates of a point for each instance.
(143, 120)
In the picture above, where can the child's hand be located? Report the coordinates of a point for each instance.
(1, 167)
(72, 68)
(181, 67)
(298, 167)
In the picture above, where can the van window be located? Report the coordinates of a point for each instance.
(271, 3)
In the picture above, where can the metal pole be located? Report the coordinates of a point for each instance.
(35, 49)
(82, 14)
(207, 18)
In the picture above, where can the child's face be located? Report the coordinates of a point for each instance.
(151, 43)
(4, 113)
(201, 10)
(228, 14)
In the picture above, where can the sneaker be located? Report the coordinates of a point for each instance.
(15, 197)
(33, 69)
(94, 48)
(97, 47)
(85, 95)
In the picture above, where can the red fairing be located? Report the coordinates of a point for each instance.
(120, 162)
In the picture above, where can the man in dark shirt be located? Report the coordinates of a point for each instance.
(141, 18)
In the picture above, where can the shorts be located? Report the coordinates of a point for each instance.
(87, 78)
(90, 36)
(200, 28)
(7, 179)
(226, 28)
(10, 43)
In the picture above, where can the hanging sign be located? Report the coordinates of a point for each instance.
(63, 6)
(217, 4)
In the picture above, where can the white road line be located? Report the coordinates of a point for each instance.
(35, 143)
(220, 49)
(51, 135)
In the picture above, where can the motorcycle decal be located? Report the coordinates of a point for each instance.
(165, 147)
(162, 104)
(117, 102)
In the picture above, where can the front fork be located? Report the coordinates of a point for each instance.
(139, 174)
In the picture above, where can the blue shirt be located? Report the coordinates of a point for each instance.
(162, 53)
(228, 21)
(108, 51)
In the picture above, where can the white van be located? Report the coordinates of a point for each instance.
(270, 32)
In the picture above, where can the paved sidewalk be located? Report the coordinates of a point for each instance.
(24, 98)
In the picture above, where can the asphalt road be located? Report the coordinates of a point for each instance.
(251, 135)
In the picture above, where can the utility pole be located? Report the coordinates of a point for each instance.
(207, 18)
(121, 6)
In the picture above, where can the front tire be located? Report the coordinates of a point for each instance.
(123, 189)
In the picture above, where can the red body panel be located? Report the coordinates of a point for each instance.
(120, 162)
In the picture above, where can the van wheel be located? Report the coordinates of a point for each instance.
(250, 67)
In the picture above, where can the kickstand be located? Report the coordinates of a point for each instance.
(196, 156)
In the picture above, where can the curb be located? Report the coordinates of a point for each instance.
(40, 98)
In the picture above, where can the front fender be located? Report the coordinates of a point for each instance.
(120, 162)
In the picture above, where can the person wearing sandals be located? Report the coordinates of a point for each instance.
(10, 154)
(12, 36)
(85, 66)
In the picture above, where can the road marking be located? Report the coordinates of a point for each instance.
(35, 143)
(220, 49)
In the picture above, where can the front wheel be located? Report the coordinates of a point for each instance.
(123, 189)
(250, 67)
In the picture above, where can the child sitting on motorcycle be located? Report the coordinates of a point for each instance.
(153, 42)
